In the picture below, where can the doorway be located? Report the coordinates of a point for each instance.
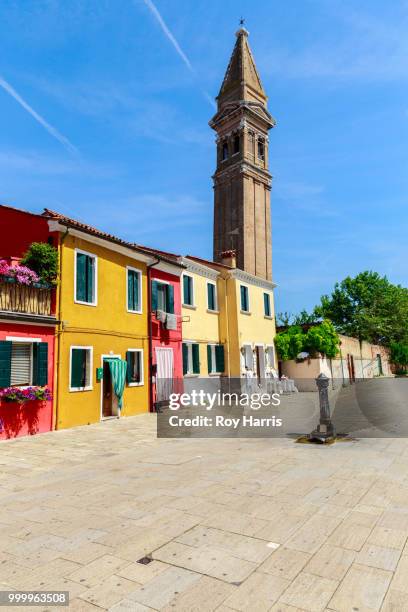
(380, 368)
(110, 408)
(260, 364)
(351, 369)
(164, 375)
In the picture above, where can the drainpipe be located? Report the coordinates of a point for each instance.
(227, 331)
(149, 311)
(57, 377)
(361, 357)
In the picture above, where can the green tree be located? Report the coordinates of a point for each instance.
(289, 343)
(43, 259)
(322, 338)
(304, 317)
(284, 318)
(368, 307)
(399, 355)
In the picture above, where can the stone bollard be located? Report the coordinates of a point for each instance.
(325, 431)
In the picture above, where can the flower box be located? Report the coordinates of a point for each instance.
(24, 419)
(20, 395)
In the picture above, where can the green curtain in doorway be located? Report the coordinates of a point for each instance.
(118, 369)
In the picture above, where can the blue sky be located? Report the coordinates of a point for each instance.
(121, 137)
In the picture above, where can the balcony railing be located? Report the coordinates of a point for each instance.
(28, 299)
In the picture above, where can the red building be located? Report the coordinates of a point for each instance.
(165, 329)
(27, 330)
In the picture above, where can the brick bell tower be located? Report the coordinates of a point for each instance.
(242, 182)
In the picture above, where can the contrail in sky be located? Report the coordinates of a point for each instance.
(153, 9)
(50, 129)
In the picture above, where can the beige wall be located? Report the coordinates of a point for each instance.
(199, 324)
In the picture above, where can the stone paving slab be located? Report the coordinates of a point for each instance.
(231, 524)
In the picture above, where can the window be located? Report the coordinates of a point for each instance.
(270, 356)
(80, 368)
(162, 296)
(191, 358)
(134, 372)
(85, 278)
(247, 357)
(212, 297)
(188, 291)
(224, 151)
(251, 142)
(134, 290)
(244, 299)
(267, 305)
(23, 362)
(236, 144)
(261, 148)
(215, 358)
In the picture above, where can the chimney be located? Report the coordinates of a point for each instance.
(229, 258)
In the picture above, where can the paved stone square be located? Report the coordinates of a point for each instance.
(231, 524)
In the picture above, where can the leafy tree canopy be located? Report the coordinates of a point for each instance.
(321, 338)
(368, 307)
(287, 318)
(43, 259)
(399, 354)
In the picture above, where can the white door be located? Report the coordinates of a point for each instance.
(164, 373)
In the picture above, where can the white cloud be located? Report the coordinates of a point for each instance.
(50, 129)
(170, 36)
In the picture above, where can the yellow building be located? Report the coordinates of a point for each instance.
(241, 320)
(250, 322)
(202, 290)
(102, 308)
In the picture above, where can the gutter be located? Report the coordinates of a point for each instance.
(57, 378)
(149, 311)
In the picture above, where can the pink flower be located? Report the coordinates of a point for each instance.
(4, 267)
(22, 274)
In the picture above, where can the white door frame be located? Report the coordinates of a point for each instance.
(102, 418)
(163, 348)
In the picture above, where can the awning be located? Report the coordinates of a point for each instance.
(118, 369)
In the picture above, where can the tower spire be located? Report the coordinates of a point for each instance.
(242, 181)
(241, 80)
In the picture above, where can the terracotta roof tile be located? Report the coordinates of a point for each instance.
(169, 257)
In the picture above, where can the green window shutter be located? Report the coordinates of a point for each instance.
(210, 296)
(133, 290)
(89, 278)
(130, 290)
(154, 294)
(243, 298)
(136, 290)
(81, 294)
(5, 363)
(187, 290)
(185, 358)
(219, 358)
(129, 366)
(209, 358)
(196, 358)
(267, 305)
(78, 368)
(40, 364)
(170, 299)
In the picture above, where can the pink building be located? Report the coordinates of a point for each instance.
(27, 331)
(165, 329)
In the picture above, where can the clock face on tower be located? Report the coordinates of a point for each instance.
(242, 182)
